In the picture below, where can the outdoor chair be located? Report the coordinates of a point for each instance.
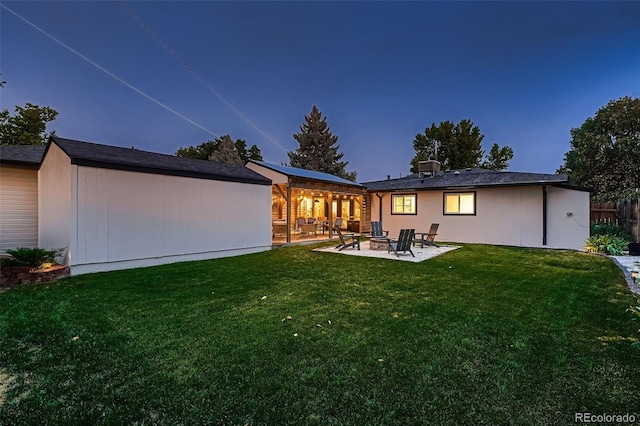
(377, 232)
(300, 222)
(338, 223)
(305, 227)
(403, 243)
(354, 240)
(429, 237)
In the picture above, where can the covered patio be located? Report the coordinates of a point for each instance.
(305, 204)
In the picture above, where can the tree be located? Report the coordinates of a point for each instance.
(457, 146)
(318, 150)
(498, 158)
(226, 152)
(205, 150)
(604, 152)
(27, 127)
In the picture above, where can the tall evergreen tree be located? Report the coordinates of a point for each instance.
(318, 150)
(226, 152)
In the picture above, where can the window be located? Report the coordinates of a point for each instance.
(403, 204)
(460, 203)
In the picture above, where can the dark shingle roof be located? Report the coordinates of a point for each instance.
(113, 157)
(305, 174)
(472, 178)
(30, 155)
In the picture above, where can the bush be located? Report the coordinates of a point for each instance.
(31, 256)
(607, 244)
(609, 229)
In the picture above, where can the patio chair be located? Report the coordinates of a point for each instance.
(300, 222)
(305, 227)
(428, 238)
(338, 223)
(403, 243)
(354, 240)
(377, 232)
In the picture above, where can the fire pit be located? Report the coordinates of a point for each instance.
(379, 244)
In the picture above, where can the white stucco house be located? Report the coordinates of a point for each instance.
(115, 208)
(485, 206)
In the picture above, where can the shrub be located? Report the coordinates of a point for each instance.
(607, 244)
(609, 229)
(31, 256)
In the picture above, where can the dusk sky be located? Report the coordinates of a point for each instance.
(524, 72)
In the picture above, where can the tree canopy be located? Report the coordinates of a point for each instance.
(458, 146)
(604, 152)
(208, 151)
(317, 148)
(27, 127)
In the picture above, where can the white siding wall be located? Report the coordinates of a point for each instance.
(55, 200)
(504, 216)
(567, 230)
(18, 207)
(128, 219)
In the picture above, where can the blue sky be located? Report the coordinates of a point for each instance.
(524, 72)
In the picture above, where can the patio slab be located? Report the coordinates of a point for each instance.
(422, 254)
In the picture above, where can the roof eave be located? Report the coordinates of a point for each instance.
(168, 172)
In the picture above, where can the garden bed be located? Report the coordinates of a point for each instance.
(15, 276)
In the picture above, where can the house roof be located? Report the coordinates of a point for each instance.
(469, 178)
(305, 174)
(130, 159)
(29, 155)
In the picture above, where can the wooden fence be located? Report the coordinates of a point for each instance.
(622, 213)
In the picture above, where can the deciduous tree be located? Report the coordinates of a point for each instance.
(27, 127)
(604, 152)
(457, 146)
(205, 150)
(318, 149)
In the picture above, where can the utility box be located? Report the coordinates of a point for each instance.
(634, 249)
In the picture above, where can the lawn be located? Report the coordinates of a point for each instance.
(480, 335)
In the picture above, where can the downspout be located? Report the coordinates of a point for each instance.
(379, 207)
(544, 215)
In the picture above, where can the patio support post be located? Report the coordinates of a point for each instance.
(289, 213)
(330, 213)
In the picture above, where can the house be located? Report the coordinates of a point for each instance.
(19, 195)
(484, 206)
(300, 193)
(115, 208)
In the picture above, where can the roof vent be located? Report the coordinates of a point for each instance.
(428, 168)
(456, 173)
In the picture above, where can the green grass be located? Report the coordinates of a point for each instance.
(481, 335)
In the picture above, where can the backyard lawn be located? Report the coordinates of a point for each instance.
(480, 335)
